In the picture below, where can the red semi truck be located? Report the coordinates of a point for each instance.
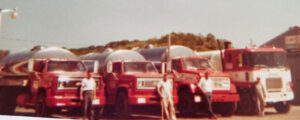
(246, 65)
(47, 79)
(188, 68)
(130, 81)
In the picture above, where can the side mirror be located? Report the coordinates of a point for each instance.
(163, 68)
(96, 66)
(169, 68)
(30, 65)
(109, 67)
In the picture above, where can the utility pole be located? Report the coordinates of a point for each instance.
(169, 53)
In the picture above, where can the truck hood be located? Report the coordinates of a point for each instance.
(212, 73)
(70, 74)
(146, 75)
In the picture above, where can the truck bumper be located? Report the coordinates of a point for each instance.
(147, 100)
(273, 97)
(61, 102)
(144, 100)
(225, 97)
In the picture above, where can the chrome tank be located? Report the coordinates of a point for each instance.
(16, 64)
(104, 58)
(160, 53)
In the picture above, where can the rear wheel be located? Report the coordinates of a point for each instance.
(41, 109)
(186, 105)
(122, 107)
(282, 107)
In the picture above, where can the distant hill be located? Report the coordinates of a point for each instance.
(195, 42)
(3, 53)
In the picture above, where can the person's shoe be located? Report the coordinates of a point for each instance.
(213, 117)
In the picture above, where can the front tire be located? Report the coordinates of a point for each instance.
(282, 107)
(186, 105)
(122, 107)
(7, 101)
(41, 109)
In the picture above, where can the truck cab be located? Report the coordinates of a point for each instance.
(188, 69)
(267, 64)
(130, 81)
(48, 80)
(247, 65)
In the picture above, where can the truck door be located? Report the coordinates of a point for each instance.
(112, 78)
(176, 69)
(36, 74)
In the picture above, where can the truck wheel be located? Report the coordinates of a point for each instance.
(108, 111)
(122, 107)
(186, 104)
(282, 107)
(41, 109)
(97, 112)
(227, 108)
(246, 105)
(7, 102)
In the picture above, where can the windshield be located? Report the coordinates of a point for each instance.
(139, 67)
(89, 65)
(195, 64)
(267, 59)
(65, 66)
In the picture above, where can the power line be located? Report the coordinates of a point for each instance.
(42, 42)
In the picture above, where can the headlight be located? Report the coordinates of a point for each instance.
(140, 83)
(63, 79)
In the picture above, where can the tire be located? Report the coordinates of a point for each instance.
(186, 105)
(7, 102)
(247, 104)
(75, 111)
(108, 111)
(122, 107)
(282, 107)
(227, 109)
(97, 112)
(41, 109)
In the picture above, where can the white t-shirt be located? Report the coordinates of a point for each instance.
(165, 87)
(206, 85)
(88, 84)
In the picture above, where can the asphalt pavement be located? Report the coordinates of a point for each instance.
(270, 114)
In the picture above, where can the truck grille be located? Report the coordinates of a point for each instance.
(73, 83)
(220, 83)
(147, 83)
(274, 84)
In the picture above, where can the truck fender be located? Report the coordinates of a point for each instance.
(186, 87)
(123, 88)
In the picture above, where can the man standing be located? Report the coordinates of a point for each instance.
(88, 93)
(206, 85)
(259, 97)
(165, 90)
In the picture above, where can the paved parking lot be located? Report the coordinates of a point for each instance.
(271, 114)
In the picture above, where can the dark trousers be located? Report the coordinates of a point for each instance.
(207, 97)
(88, 105)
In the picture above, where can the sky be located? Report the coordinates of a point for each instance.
(81, 23)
